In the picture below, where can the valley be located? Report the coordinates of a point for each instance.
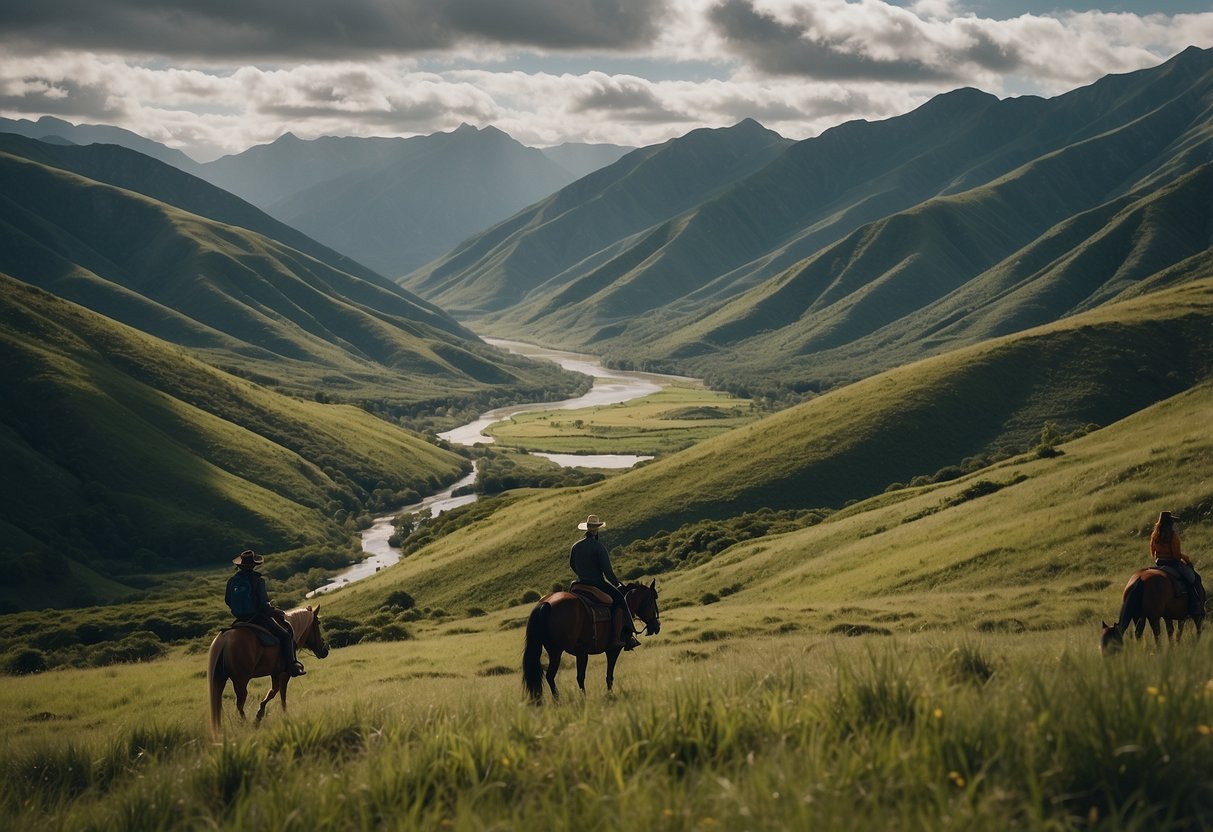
(954, 362)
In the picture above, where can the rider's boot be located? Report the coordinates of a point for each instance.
(617, 641)
(1196, 596)
(293, 666)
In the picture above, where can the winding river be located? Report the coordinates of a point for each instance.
(610, 387)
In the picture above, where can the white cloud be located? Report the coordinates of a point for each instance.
(796, 66)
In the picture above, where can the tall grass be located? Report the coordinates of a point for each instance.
(944, 732)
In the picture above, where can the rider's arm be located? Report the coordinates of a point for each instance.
(604, 562)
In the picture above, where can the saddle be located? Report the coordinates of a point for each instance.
(1177, 579)
(599, 605)
(264, 636)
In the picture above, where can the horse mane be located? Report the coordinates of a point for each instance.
(299, 618)
(639, 585)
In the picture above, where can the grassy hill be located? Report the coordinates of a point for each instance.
(241, 300)
(125, 456)
(831, 261)
(977, 403)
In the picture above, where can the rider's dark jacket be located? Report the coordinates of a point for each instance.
(591, 563)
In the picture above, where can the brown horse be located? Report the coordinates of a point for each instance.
(1149, 596)
(237, 654)
(561, 624)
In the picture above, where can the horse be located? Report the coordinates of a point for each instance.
(237, 654)
(1148, 596)
(560, 623)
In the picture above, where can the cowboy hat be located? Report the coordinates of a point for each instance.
(591, 524)
(247, 558)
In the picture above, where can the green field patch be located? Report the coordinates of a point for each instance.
(677, 417)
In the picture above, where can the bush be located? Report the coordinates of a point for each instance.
(24, 662)
(400, 599)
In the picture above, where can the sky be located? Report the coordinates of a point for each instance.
(213, 77)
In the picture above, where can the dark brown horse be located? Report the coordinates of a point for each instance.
(561, 624)
(1149, 596)
(238, 654)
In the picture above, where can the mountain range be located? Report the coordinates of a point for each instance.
(393, 204)
(943, 288)
(869, 246)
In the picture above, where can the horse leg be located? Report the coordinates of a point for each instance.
(583, 661)
(554, 655)
(1156, 630)
(275, 681)
(612, 656)
(1171, 628)
(240, 687)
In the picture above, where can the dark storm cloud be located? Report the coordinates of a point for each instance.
(779, 48)
(322, 29)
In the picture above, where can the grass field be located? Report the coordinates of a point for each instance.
(795, 730)
(675, 418)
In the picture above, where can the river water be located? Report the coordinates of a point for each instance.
(610, 387)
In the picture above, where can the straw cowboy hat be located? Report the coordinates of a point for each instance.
(592, 524)
(247, 558)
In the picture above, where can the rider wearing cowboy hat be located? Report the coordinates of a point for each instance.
(589, 559)
(265, 614)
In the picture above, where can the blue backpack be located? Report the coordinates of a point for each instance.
(240, 599)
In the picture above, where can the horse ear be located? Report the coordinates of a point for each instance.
(1103, 623)
(653, 584)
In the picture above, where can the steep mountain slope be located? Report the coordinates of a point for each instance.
(1097, 367)
(393, 204)
(592, 218)
(136, 172)
(126, 456)
(240, 299)
(846, 234)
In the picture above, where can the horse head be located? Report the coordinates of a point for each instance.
(312, 638)
(642, 601)
(1110, 639)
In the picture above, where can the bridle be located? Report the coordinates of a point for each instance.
(652, 604)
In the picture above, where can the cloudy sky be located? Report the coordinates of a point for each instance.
(217, 76)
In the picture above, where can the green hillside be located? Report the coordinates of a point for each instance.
(949, 274)
(984, 401)
(126, 457)
(244, 301)
(133, 171)
(830, 262)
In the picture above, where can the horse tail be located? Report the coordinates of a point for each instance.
(216, 680)
(1133, 606)
(532, 673)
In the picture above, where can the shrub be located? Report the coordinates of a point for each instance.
(400, 599)
(24, 662)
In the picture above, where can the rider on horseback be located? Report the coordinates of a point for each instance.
(248, 600)
(589, 559)
(1166, 551)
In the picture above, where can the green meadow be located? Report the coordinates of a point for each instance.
(675, 418)
(784, 730)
